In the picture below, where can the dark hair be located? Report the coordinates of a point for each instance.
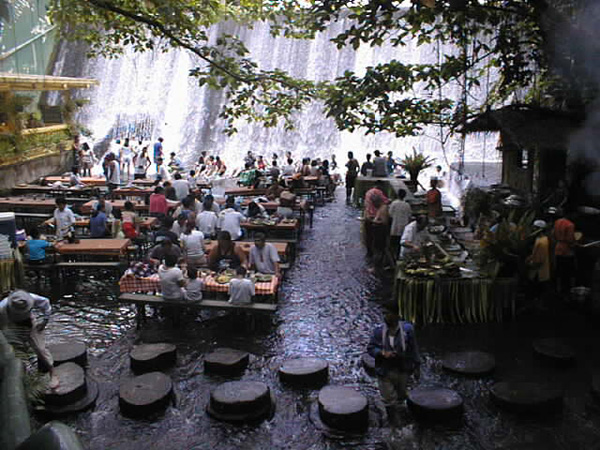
(290, 161)
(128, 206)
(85, 146)
(170, 260)
(260, 237)
(192, 172)
(187, 202)
(350, 155)
(167, 222)
(173, 153)
(75, 169)
(253, 209)
(401, 194)
(60, 201)
(377, 153)
(230, 201)
(159, 190)
(160, 139)
(34, 233)
(181, 217)
(192, 272)
(241, 270)
(177, 176)
(368, 156)
(274, 164)
(117, 213)
(224, 236)
(167, 184)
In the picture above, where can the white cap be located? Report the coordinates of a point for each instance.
(539, 224)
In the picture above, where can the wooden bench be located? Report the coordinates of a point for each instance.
(76, 265)
(140, 300)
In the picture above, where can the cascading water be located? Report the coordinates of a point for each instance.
(152, 92)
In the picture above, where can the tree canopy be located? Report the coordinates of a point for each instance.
(529, 44)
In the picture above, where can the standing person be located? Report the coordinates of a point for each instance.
(352, 167)
(141, 163)
(366, 166)
(413, 236)
(231, 220)
(264, 257)
(381, 232)
(391, 163)
(158, 152)
(564, 253)
(126, 158)
(379, 165)
(87, 159)
(63, 219)
(36, 248)
(434, 201)
(400, 214)
(249, 159)
(539, 261)
(192, 243)
(394, 347)
(370, 212)
(171, 279)
(114, 175)
(191, 181)
(162, 174)
(261, 164)
(16, 312)
(98, 223)
(241, 289)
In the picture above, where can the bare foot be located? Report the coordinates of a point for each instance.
(54, 383)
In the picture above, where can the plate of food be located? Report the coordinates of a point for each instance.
(223, 279)
(263, 277)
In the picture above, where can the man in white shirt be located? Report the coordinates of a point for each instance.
(413, 237)
(162, 173)
(289, 169)
(171, 279)
(63, 218)
(181, 186)
(191, 180)
(231, 220)
(113, 177)
(192, 243)
(400, 214)
(206, 222)
(241, 290)
(209, 205)
(263, 256)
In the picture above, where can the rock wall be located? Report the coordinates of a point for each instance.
(32, 169)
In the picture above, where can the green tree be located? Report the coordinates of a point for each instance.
(517, 39)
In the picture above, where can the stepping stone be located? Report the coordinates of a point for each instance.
(84, 403)
(241, 401)
(435, 404)
(471, 363)
(368, 363)
(527, 396)
(554, 351)
(304, 371)
(226, 361)
(343, 408)
(145, 395)
(72, 385)
(69, 352)
(152, 357)
(52, 436)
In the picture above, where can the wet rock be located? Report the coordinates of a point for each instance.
(152, 357)
(530, 397)
(84, 403)
(52, 436)
(241, 401)
(145, 395)
(226, 361)
(435, 404)
(343, 408)
(554, 351)
(470, 363)
(72, 385)
(304, 372)
(69, 352)
(368, 363)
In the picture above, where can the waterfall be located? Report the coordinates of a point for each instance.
(154, 89)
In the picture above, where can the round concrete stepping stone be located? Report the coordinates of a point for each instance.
(72, 385)
(226, 361)
(52, 436)
(152, 357)
(435, 404)
(145, 395)
(241, 401)
(343, 408)
(368, 363)
(69, 352)
(304, 371)
(554, 351)
(519, 396)
(84, 403)
(470, 363)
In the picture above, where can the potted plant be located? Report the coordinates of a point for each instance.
(415, 163)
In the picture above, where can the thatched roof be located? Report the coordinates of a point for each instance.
(527, 127)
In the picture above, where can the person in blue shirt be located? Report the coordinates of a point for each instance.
(158, 151)
(394, 347)
(37, 247)
(98, 222)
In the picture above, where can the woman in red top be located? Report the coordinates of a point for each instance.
(158, 203)
(564, 234)
(434, 201)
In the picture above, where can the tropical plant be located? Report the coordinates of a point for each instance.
(415, 163)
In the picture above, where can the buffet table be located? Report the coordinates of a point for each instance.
(472, 299)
